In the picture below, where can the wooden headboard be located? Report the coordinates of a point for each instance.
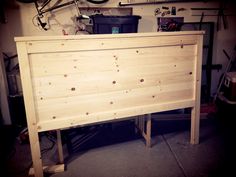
(77, 80)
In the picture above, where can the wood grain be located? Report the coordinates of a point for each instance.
(78, 80)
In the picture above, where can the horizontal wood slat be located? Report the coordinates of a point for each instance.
(112, 115)
(104, 36)
(107, 44)
(79, 62)
(72, 106)
(51, 89)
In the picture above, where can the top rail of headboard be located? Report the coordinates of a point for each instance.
(102, 36)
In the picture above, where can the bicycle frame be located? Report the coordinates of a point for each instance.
(41, 9)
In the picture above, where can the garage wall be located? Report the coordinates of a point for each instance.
(20, 19)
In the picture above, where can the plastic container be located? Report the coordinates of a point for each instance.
(230, 86)
(115, 24)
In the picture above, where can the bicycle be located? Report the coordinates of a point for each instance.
(41, 5)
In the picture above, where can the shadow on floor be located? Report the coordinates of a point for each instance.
(82, 139)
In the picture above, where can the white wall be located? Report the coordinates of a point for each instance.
(20, 24)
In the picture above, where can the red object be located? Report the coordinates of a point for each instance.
(64, 32)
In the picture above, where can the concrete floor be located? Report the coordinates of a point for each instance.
(116, 151)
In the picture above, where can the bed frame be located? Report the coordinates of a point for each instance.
(79, 80)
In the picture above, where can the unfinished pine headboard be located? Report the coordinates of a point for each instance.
(77, 80)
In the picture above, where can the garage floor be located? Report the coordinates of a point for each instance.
(114, 150)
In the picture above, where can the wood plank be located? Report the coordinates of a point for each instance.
(102, 36)
(56, 109)
(119, 71)
(195, 112)
(148, 131)
(108, 44)
(30, 108)
(112, 115)
(112, 69)
(60, 147)
(143, 126)
(80, 62)
(49, 169)
(56, 88)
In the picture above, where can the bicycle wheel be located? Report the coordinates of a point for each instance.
(97, 1)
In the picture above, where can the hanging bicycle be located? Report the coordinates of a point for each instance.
(41, 5)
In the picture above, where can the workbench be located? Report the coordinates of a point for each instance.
(80, 80)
